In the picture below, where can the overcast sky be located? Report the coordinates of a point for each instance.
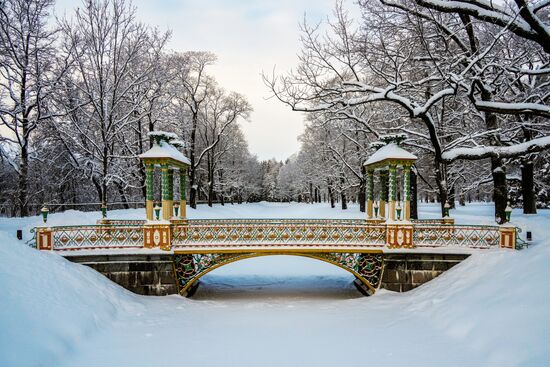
(248, 36)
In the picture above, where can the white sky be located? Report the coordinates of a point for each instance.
(248, 36)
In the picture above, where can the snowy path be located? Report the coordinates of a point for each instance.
(491, 310)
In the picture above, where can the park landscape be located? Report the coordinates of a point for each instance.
(403, 218)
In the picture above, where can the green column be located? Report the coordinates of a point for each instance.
(164, 183)
(393, 192)
(149, 191)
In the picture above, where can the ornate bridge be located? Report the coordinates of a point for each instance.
(201, 245)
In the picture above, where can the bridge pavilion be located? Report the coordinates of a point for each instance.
(387, 161)
(168, 158)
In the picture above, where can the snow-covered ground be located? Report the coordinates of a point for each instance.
(491, 310)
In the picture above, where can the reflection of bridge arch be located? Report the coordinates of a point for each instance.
(365, 266)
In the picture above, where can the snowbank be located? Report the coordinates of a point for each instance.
(49, 305)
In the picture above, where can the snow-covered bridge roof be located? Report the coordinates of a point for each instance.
(388, 153)
(165, 151)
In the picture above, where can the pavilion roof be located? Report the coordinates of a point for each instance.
(390, 153)
(167, 152)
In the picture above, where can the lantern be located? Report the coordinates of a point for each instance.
(104, 210)
(44, 212)
(508, 212)
(157, 212)
(446, 208)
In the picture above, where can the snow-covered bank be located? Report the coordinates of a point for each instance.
(491, 310)
(48, 305)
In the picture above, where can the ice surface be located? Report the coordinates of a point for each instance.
(491, 310)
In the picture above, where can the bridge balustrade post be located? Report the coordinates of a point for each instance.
(157, 235)
(44, 238)
(507, 236)
(399, 235)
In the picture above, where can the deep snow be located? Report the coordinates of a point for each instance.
(491, 310)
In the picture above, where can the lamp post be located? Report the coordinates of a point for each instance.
(104, 210)
(375, 206)
(446, 208)
(398, 210)
(508, 212)
(157, 212)
(44, 212)
(176, 209)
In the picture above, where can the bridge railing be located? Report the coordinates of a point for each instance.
(271, 232)
(479, 236)
(276, 232)
(62, 238)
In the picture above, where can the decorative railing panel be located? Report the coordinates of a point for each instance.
(425, 235)
(278, 233)
(97, 237)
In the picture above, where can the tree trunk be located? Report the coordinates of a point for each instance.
(122, 196)
(330, 193)
(362, 194)
(498, 169)
(344, 200)
(441, 186)
(528, 187)
(210, 181)
(500, 190)
(141, 166)
(343, 195)
(452, 197)
(23, 182)
(104, 178)
(192, 172)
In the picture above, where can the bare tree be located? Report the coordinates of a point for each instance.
(29, 72)
(109, 45)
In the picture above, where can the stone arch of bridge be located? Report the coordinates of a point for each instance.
(366, 267)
